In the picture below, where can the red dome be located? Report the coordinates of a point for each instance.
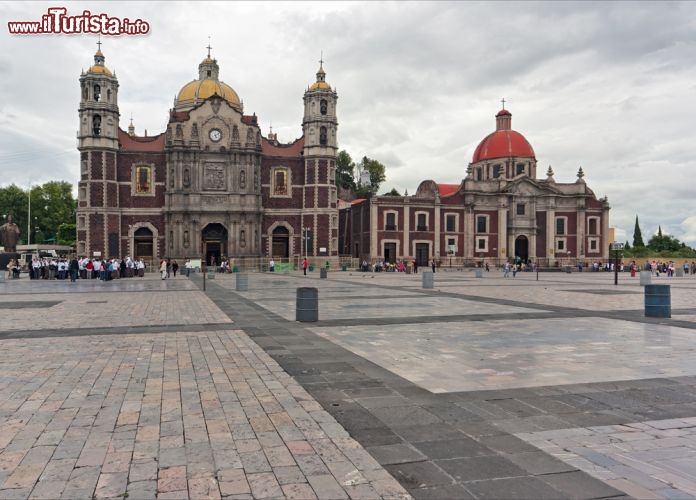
(504, 142)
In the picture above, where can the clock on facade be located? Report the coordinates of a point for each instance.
(215, 134)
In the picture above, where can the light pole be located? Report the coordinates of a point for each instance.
(568, 263)
(495, 251)
(29, 218)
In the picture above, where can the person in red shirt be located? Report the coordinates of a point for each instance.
(305, 264)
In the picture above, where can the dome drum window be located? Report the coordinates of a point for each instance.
(322, 136)
(96, 125)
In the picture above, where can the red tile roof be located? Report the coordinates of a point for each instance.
(502, 144)
(153, 143)
(447, 189)
(293, 149)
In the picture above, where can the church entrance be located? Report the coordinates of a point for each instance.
(390, 252)
(422, 254)
(521, 249)
(142, 243)
(214, 239)
(280, 248)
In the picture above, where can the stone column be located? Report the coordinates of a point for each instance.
(503, 250)
(406, 251)
(436, 232)
(373, 231)
(469, 240)
(550, 235)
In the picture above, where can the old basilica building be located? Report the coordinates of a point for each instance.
(212, 186)
(499, 212)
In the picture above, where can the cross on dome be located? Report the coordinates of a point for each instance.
(209, 47)
(503, 101)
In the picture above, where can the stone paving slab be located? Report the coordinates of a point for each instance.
(199, 415)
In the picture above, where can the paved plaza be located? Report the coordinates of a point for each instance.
(478, 388)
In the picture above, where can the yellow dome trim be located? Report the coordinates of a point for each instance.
(320, 86)
(99, 70)
(199, 90)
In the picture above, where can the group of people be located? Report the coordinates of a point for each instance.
(400, 266)
(168, 267)
(13, 269)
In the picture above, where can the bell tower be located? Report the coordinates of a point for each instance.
(319, 126)
(97, 137)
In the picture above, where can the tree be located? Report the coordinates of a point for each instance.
(666, 243)
(637, 235)
(393, 192)
(52, 204)
(345, 171)
(67, 234)
(627, 246)
(377, 176)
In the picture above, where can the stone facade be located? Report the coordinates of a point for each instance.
(211, 186)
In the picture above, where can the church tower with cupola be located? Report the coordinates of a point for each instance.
(319, 126)
(97, 135)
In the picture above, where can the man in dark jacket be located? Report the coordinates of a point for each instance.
(73, 267)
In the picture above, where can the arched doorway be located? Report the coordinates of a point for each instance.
(280, 248)
(522, 248)
(143, 245)
(214, 238)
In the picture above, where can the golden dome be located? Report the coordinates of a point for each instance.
(320, 84)
(98, 68)
(197, 91)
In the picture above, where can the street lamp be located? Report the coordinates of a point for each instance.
(495, 251)
(617, 248)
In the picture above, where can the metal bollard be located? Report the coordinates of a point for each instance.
(658, 302)
(307, 305)
(428, 279)
(645, 278)
(323, 272)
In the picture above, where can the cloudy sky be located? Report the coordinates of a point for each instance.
(608, 86)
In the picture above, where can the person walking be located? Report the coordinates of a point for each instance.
(305, 265)
(163, 269)
(271, 265)
(175, 267)
(73, 267)
(433, 265)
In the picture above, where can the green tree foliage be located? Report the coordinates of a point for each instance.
(637, 235)
(377, 176)
(393, 192)
(52, 204)
(67, 234)
(664, 243)
(345, 171)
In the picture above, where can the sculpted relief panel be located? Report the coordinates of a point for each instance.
(214, 177)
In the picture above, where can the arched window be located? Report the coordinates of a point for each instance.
(96, 125)
(143, 179)
(280, 181)
(108, 95)
(97, 92)
(242, 179)
(322, 136)
(323, 106)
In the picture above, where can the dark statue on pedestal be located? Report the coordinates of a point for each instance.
(9, 235)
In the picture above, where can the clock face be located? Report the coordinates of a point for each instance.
(215, 135)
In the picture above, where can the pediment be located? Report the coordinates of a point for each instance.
(526, 186)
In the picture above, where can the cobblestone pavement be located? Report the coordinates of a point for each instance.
(478, 388)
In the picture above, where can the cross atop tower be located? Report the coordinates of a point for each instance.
(99, 42)
(503, 101)
(321, 59)
(208, 47)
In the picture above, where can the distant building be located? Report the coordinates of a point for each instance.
(211, 185)
(500, 211)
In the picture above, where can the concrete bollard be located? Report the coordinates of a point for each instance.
(645, 278)
(658, 302)
(242, 282)
(323, 273)
(428, 279)
(478, 273)
(307, 305)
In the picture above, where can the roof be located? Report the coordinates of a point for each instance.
(502, 144)
(292, 149)
(447, 189)
(151, 144)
